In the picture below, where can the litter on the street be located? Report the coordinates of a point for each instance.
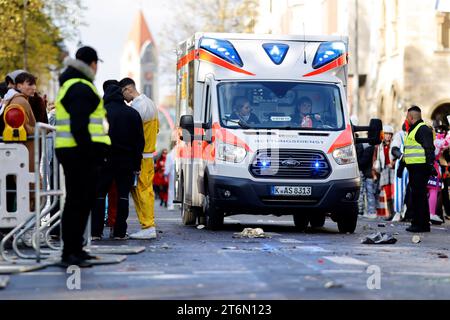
(229, 248)
(251, 233)
(332, 284)
(379, 238)
(4, 280)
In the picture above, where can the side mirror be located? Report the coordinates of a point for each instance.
(206, 125)
(373, 132)
(187, 124)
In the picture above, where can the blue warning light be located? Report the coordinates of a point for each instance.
(276, 51)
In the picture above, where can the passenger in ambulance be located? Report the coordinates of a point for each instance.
(242, 111)
(304, 116)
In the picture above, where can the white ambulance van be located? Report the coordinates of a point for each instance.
(264, 129)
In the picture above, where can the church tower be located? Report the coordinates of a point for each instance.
(139, 60)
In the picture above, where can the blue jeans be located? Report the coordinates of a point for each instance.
(366, 201)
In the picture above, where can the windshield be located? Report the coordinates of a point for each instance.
(280, 105)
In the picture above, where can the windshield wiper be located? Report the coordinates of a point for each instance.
(242, 124)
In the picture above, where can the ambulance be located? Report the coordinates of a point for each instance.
(263, 128)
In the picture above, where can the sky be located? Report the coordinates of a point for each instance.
(108, 25)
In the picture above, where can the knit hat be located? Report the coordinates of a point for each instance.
(388, 129)
(13, 74)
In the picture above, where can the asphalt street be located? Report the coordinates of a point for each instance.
(186, 262)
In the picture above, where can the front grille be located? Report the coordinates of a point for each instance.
(290, 164)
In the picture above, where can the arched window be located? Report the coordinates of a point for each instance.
(148, 56)
(439, 115)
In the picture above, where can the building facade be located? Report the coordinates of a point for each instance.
(403, 50)
(139, 59)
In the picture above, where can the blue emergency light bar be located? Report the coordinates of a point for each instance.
(223, 49)
(276, 51)
(328, 52)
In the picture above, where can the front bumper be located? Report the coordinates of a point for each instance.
(244, 196)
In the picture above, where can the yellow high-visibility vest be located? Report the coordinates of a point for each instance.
(97, 119)
(414, 152)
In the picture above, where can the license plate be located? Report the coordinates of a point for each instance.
(291, 191)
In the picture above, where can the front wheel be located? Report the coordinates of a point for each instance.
(347, 221)
(317, 220)
(188, 216)
(214, 216)
(301, 222)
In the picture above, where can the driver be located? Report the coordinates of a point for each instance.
(306, 118)
(243, 111)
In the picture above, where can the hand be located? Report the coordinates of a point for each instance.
(400, 169)
(317, 117)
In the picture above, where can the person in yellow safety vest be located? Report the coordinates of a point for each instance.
(82, 144)
(143, 194)
(419, 158)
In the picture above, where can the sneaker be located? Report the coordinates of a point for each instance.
(435, 219)
(149, 233)
(397, 217)
(95, 238)
(370, 215)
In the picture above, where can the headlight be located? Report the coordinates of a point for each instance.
(230, 153)
(345, 155)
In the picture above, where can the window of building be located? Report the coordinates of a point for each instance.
(148, 91)
(443, 21)
(148, 57)
(383, 29)
(394, 23)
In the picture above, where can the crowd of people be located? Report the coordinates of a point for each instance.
(105, 145)
(410, 164)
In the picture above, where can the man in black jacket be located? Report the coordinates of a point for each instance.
(127, 144)
(419, 158)
(81, 147)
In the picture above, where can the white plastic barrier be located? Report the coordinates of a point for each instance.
(45, 196)
(14, 162)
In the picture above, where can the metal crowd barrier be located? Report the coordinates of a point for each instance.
(45, 196)
(35, 223)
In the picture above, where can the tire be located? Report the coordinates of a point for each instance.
(317, 220)
(347, 221)
(214, 217)
(301, 222)
(188, 216)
